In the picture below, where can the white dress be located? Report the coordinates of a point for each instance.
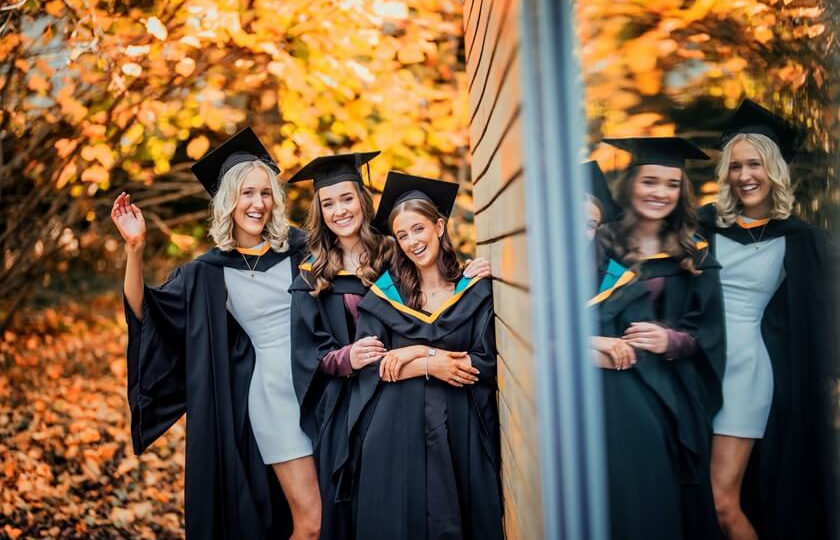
(261, 305)
(749, 279)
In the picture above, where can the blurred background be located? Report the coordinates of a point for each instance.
(102, 97)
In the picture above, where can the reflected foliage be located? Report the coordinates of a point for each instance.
(669, 67)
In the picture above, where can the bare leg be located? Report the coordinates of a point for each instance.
(730, 456)
(300, 486)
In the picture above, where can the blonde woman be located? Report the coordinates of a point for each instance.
(213, 342)
(774, 276)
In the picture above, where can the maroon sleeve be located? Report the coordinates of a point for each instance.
(680, 344)
(337, 362)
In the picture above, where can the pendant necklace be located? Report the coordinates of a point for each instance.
(251, 270)
(756, 242)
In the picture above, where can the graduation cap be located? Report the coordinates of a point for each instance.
(753, 118)
(665, 151)
(601, 191)
(400, 187)
(243, 147)
(329, 170)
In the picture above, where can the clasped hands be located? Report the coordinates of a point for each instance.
(454, 368)
(620, 353)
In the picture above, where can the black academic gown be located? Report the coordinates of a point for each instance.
(658, 414)
(189, 355)
(789, 490)
(321, 325)
(386, 472)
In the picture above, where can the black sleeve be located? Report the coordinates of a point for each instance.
(365, 385)
(156, 351)
(312, 341)
(483, 393)
(704, 320)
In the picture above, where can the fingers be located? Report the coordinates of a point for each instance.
(641, 327)
(464, 376)
(454, 382)
(622, 355)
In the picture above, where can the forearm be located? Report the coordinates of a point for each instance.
(415, 368)
(133, 286)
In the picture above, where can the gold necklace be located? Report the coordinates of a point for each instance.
(252, 270)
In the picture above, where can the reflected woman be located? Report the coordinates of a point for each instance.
(660, 344)
(779, 316)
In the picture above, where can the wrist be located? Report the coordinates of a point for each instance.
(136, 249)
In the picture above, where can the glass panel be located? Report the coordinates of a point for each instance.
(679, 67)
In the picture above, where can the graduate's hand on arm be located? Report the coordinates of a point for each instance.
(619, 351)
(396, 359)
(366, 351)
(480, 267)
(647, 336)
(129, 221)
(454, 368)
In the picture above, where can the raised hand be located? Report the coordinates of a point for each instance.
(129, 221)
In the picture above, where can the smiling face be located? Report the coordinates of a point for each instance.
(749, 180)
(418, 237)
(655, 191)
(341, 209)
(253, 208)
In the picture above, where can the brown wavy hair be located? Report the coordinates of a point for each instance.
(328, 255)
(677, 235)
(405, 272)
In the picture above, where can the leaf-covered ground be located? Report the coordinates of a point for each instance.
(66, 465)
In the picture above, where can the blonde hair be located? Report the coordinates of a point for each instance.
(728, 205)
(276, 231)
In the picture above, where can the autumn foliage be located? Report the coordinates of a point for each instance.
(66, 465)
(100, 97)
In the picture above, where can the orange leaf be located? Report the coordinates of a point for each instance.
(96, 174)
(65, 147)
(197, 147)
(38, 83)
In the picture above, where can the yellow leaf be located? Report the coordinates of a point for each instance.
(197, 147)
(156, 28)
